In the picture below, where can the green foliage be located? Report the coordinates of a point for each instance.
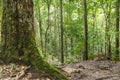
(73, 24)
(91, 56)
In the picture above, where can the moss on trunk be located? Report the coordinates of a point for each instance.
(18, 38)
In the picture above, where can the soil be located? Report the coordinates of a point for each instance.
(83, 70)
(93, 70)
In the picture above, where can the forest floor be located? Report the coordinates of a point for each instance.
(93, 70)
(83, 70)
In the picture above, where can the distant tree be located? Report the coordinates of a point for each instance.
(107, 6)
(117, 29)
(85, 56)
(18, 38)
(0, 17)
(41, 29)
(61, 25)
(48, 2)
(54, 43)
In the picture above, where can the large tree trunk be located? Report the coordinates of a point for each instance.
(18, 39)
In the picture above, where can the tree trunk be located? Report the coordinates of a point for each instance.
(18, 40)
(61, 23)
(85, 56)
(40, 27)
(109, 35)
(66, 47)
(55, 33)
(117, 29)
(72, 47)
(0, 17)
(107, 13)
(46, 32)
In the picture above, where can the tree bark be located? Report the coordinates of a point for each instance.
(18, 37)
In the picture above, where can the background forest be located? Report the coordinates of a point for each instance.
(64, 31)
(102, 28)
(101, 17)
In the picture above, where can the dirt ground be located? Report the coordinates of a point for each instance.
(93, 70)
(83, 70)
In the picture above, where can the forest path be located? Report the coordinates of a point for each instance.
(93, 70)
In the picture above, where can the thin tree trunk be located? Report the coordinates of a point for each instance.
(109, 35)
(46, 32)
(72, 46)
(85, 56)
(66, 47)
(61, 24)
(0, 18)
(55, 33)
(94, 25)
(117, 29)
(107, 29)
(40, 26)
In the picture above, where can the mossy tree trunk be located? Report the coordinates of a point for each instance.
(18, 38)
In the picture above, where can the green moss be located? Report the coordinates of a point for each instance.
(45, 68)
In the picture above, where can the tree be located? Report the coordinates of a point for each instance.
(117, 29)
(0, 16)
(61, 25)
(107, 13)
(18, 38)
(48, 2)
(85, 57)
(40, 26)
